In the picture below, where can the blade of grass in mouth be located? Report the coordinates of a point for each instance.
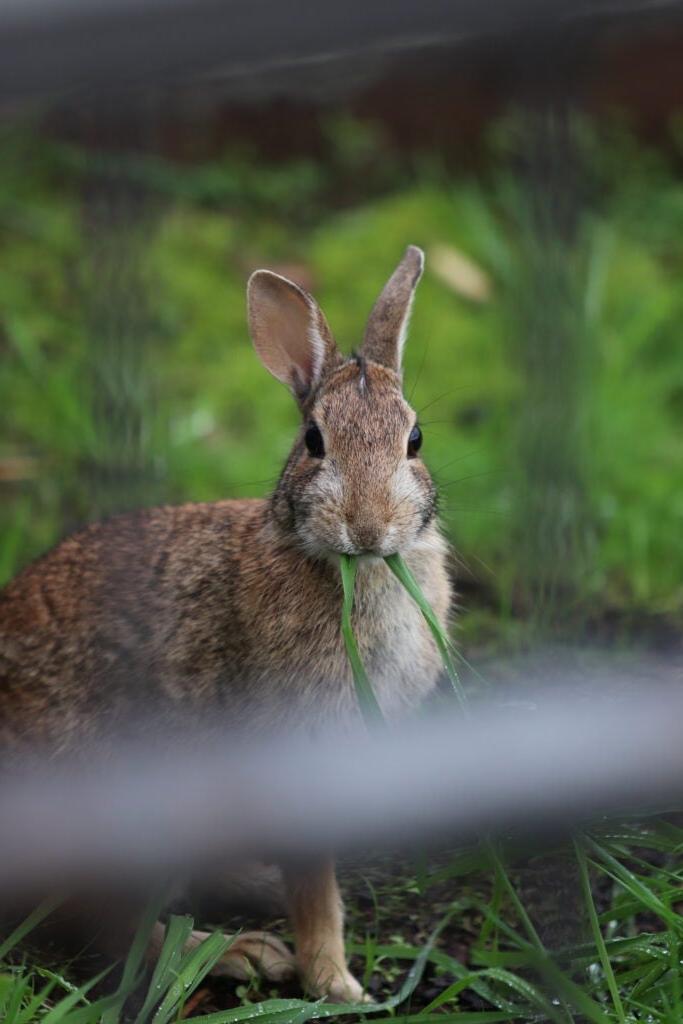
(367, 701)
(370, 709)
(405, 576)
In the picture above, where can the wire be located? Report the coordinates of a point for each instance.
(177, 805)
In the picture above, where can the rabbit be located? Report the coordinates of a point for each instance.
(234, 606)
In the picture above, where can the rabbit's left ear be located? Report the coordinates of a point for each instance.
(290, 333)
(387, 327)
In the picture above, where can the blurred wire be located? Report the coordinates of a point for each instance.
(565, 761)
(112, 44)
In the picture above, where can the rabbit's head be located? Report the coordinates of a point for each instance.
(354, 482)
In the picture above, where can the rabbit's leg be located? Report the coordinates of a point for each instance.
(250, 953)
(317, 917)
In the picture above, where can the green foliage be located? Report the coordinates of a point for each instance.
(629, 970)
(176, 976)
(209, 423)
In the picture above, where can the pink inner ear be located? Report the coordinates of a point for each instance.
(284, 332)
(288, 330)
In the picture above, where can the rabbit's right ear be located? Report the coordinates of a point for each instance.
(289, 332)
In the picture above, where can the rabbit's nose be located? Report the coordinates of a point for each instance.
(366, 534)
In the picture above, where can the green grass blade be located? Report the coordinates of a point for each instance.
(572, 992)
(13, 992)
(303, 1012)
(473, 1017)
(60, 1012)
(192, 970)
(94, 1012)
(31, 922)
(269, 1011)
(136, 958)
(597, 933)
(449, 994)
(370, 709)
(405, 576)
(649, 977)
(417, 969)
(505, 881)
(32, 1011)
(521, 987)
(643, 894)
(178, 931)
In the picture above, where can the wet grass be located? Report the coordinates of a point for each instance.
(435, 938)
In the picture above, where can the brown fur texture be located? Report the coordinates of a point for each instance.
(230, 611)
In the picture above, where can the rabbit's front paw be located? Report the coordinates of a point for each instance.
(256, 953)
(336, 984)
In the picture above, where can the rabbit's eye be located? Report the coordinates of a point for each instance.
(314, 441)
(414, 442)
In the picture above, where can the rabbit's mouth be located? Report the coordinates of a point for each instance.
(365, 556)
(369, 558)
(362, 554)
(367, 540)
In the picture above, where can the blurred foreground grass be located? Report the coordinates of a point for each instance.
(128, 377)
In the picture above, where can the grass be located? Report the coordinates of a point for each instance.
(367, 701)
(634, 874)
(441, 638)
(569, 996)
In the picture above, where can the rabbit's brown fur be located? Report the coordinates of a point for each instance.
(231, 609)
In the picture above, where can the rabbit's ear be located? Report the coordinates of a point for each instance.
(387, 327)
(289, 332)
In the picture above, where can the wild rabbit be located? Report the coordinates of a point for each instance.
(234, 606)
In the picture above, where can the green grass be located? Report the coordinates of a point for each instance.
(628, 969)
(367, 702)
(646, 986)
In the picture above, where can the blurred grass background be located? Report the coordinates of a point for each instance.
(546, 367)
